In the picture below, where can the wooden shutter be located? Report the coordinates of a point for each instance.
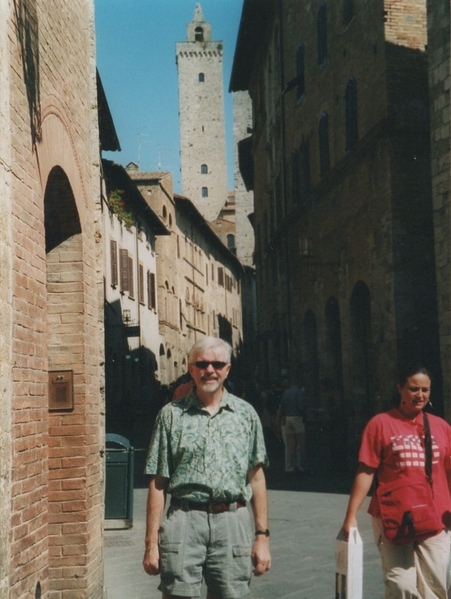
(113, 257)
(221, 276)
(131, 281)
(123, 265)
(141, 283)
(153, 298)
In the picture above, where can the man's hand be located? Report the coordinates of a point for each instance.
(151, 561)
(261, 558)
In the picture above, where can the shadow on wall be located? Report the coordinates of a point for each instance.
(27, 31)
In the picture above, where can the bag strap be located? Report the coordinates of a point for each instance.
(427, 448)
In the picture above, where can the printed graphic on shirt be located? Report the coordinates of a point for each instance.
(409, 451)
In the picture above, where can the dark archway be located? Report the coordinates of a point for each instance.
(360, 313)
(310, 373)
(332, 354)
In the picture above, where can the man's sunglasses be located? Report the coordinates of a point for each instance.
(203, 364)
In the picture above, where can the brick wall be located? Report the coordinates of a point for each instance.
(439, 90)
(353, 230)
(55, 511)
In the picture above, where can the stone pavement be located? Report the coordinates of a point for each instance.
(306, 513)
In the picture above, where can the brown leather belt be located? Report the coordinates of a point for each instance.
(210, 508)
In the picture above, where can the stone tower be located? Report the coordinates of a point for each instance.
(202, 123)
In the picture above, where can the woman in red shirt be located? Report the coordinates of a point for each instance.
(392, 448)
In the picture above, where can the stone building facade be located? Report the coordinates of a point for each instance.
(51, 332)
(440, 110)
(199, 279)
(202, 124)
(132, 338)
(342, 188)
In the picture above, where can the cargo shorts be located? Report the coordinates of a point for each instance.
(196, 545)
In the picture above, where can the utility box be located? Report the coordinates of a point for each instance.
(118, 482)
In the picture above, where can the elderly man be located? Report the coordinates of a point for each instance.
(207, 452)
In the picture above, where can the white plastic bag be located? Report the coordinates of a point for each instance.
(349, 566)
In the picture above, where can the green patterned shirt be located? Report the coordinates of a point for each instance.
(207, 457)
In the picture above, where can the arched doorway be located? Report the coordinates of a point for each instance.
(332, 346)
(360, 313)
(310, 373)
(65, 349)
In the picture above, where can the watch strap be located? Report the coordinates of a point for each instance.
(261, 531)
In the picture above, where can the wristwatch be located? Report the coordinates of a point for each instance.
(262, 532)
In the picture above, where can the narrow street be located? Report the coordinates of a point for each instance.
(306, 513)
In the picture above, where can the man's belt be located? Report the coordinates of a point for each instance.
(210, 508)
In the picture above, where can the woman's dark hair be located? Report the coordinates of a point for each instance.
(406, 371)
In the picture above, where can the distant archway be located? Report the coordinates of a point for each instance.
(360, 313)
(332, 346)
(311, 363)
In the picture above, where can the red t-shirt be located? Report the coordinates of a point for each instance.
(394, 446)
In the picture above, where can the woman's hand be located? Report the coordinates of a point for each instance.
(350, 522)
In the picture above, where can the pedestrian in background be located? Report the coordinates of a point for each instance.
(291, 419)
(207, 451)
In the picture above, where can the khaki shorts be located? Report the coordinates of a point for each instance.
(294, 425)
(216, 547)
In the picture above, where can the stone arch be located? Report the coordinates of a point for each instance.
(65, 346)
(57, 147)
(360, 317)
(311, 363)
(332, 345)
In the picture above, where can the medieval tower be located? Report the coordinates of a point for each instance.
(202, 124)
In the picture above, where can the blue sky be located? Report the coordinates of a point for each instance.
(136, 61)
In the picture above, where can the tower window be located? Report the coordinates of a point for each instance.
(231, 241)
(323, 130)
(348, 11)
(204, 169)
(321, 26)
(199, 34)
(201, 77)
(205, 192)
(352, 134)
(304, 164)
(295, 171)
(300, 71)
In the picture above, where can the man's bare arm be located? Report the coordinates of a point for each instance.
(261, 557)
(156, 500)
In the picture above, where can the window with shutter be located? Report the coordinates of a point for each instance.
(131, 282)
(221, 276)
(113, 258)
(151, 291)
(123, 266)
(321, 26)
(141, 283)
(323, 131)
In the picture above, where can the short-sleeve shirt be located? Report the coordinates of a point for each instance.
(293, 402)
(394, 446)
(207, 457)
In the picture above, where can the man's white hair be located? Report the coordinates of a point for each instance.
(206, 343)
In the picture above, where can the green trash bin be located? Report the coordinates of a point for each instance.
(118, 482)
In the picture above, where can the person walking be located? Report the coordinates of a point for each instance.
(207, 451)
(394, 449)
(291, 422)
